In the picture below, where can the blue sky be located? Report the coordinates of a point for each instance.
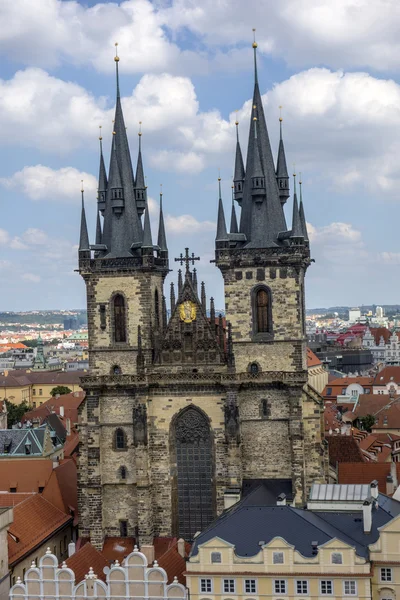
(186, 67)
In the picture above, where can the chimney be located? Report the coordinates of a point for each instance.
(281, 500)
(68, 426)
(149, 552)
(389, 485)
(393, 473)
(367, 514)
(231, 496)
(61, 411)
(71, 549)
(181, 547)
(374, 489)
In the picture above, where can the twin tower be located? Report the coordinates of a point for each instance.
(184, 413)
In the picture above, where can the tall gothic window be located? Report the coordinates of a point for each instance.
(194, 472)
(157, 308)
(119, 439)
(119, 319)
(262, 310)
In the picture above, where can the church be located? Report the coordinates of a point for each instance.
(187, 409)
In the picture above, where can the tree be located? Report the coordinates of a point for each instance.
(60, 390)
(15, 412)
(30, 343)
(367, 422)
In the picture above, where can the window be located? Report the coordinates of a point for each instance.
(215, 557)
(122, 472)
(250, 586)
(65, 543)
(343, 391)
(206, 586)
(326, 587)
(349, 588)
(280, 586)
(34, 404)
(13, 490)
(229, 586)
(123, 528)
(34, 392)
(120, 443)
(386, 574)
(254, 369)
(277, 558)
(40, 489)
(301, 586)
(40, 392)
(262, 320)
(265, 411)
(119, 319)
(329, 391)
(336, 558)
(116, 370)
(157, 308)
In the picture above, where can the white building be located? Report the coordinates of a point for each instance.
(354, 315)
(387, 353)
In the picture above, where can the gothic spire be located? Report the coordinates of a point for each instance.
(203, 297)
(162, 240)
(239, 174)
(140, 183)
(98, 229)
(282, 176)
(102, 189)
(180, 282)
(172, 297)
(84, 236)
(302, 215)
(194, 281)
(212, 314)
(296, 224)
(147, 239)
(234, 225)
(222, 235)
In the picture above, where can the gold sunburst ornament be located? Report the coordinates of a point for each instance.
(187, 311)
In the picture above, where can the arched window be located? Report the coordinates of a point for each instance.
(119, 319)
(116, 370)
(254, 369)
(157, 308)
(122, 472)
(119, 441)
(262, 310)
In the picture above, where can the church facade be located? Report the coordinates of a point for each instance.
(181, 412)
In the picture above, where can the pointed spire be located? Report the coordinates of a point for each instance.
(172, 297)
(302, 215)
(221, 332)
(162, 240)
(164, 313)
(194, 280)
(98, 229)
(116, 58)
(140, 183)
(234, 225)
(180, 282)
(147, 239)
(282, 176)
(222, 235)
(102, 189)
(239, 173)
(296, 225)
(84, 236)
(255, 45)
(203, 297)
(212, 314)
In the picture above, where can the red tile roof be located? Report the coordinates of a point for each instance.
(172, 562)
(331, 417)
(71, 445)
(343, 448)
(70, 402)
(87, 557)
(387, 375)
(379, 332)
(117, 548)
(35, 520)
(11, 499)
(312, 360)
(365, 473)
(62, 488)
(26, 474)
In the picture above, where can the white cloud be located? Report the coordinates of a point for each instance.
(183, 224)
(31, 277)
(166, 160)
(42, 183)
(4, 237)
(389, 258)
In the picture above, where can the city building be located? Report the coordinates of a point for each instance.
(34, 387)
(38, 442)
(384, 345)
(354, 315)
(345, 544)
(174, 407)
(317, 373)
(133, 579)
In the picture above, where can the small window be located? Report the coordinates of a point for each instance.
(215, 557)
(254, 369)
(34, 404)
(265, 410)
(206, 586)
(122, 472)
(343, 391)
(326, 587)
(336, 558)
(116, 370)
(123, 528)
(280, 586)
(250, 586)
(301, 587)
(34, 392)
(13, 490)
(386, 574)
(229, 586)
(350, 588)
(40, 392)
(40, 489)
(120, 442)
(277, 558)
(329, 391)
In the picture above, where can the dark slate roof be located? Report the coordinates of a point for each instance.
(84, 237)
(55, 424)
(162, 238)
(267, 490)
(245, 525)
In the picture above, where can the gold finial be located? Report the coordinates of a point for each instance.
(280, 113)
(254, 106)
(299, 178)
(236, 122)
(82, 190)
(113, 121)
(116, 57)
(140, 128)
(219, 174)
(160, 189)
(100, 137)
(294, 169)
(255, 45)
(254, 118)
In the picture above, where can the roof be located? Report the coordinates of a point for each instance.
(87, 557)
(12, 499)
(170, 560)
(62, 488)
(70, 403)
(387, 375)
(20, 378)
(71, 445)
(378, 332)
(385, 409)
(266, 491)
(116, 548)
(15, 471)
(366, 472)
(312, 359)
(27, 442)
(331, 417)
(343, 493)
(343, 448)
(35, 520)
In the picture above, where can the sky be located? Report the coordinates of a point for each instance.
(186, 72)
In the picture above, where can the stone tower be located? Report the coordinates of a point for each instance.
(181, 413)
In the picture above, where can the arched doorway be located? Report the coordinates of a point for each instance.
(194, 462)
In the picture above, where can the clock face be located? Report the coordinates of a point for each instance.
(187, 311)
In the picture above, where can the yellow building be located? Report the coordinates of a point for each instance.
(34, 387)
(347, 548)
